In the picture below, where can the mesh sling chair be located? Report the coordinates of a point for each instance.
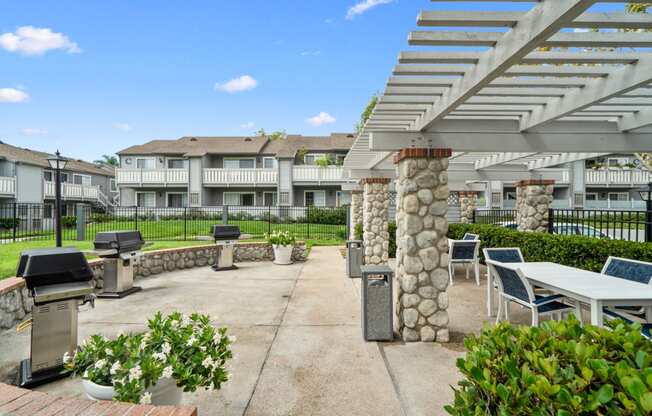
(469, 236)
(464, 252)
(514, 287)
(633, 270)
(503, 255)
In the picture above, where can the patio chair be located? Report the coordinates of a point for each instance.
(514, 287)
(634, 270)
(503, 255)
(646, 328)
(469, 236)
(464, 252)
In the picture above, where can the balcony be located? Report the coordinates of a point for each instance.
(618, 177)
(230, 177)
(151, 177)
(71, 191)
(7, 185)
(318, 174)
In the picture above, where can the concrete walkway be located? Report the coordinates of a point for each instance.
(300, 349)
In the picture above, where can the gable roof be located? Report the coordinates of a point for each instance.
(37, 158)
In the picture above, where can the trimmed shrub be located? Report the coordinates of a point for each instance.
(561, 369)
(333, 216)
(576, 251)
(391, 228)
(358, 231)
(9, 223)
(69, 221)
(341, 234)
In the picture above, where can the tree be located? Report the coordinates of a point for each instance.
(108, 160)
(275, 135)
(366, 113)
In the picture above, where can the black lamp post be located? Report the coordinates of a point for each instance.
(646, 195)
(57, 163)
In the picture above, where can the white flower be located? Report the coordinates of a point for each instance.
(228, 376)
(135, 373)
(85, 375)
(115, 368)
(100, 364)
(208, 362)
(166, 348)
(202, 348)
(185, 321)
(159, 356)
(108, 351)
(232, 339)
(146, 398)
(66, 357)
(167, 372)
(191, 341)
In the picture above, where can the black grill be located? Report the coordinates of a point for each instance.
(226, 232)
(52, 266)
(121, 241)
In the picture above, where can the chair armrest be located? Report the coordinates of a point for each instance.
(547, 299)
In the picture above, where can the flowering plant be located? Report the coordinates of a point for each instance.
(280, 238)
(187, 349)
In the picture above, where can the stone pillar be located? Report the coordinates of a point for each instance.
(533, 200)
(422, 244)
(356, 212)
(374, 220)
(468, 204)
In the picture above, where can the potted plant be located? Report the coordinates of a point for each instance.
(282, 242)
(178, 353)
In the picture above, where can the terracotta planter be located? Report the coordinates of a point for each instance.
(164, 393)
(282, 254)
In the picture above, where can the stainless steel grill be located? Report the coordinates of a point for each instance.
(59, 281)
(225, 238)
(121, 250)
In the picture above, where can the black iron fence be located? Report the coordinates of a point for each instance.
(617, 225)
(19, 222)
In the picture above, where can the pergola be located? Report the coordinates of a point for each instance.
(493, 96)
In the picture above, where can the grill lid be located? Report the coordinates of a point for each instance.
(51, 266)
(226, 232)
(119, 240)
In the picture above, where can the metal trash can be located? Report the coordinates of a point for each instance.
(377, 317)
(354, 253)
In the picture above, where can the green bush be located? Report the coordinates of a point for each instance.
(576, 251)
(333, 216)
(392, 239)
(559, 369)
(358, 231)
(101, 218)
(9, 223)
(341, 234)
(69, 221)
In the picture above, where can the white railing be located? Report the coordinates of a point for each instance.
(631, 177)
(634, 204)
(240, 176)
(71, 190)
(151, 176)
(7, 185)
(318, 174)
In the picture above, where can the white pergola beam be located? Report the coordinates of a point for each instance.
(515, 71)
(502, 82)
(559, 159)
(534, 58)
(500, 158)
(636, 120)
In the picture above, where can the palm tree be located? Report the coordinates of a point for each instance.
(108, 160)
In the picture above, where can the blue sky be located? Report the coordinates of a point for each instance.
(93, 77)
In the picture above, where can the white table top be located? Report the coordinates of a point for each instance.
(586, 284)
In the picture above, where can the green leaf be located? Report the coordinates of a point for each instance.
(605, 394)
(502, 391)
(646, 401)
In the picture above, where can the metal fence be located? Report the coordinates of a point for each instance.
(629, 225)
(19, 222)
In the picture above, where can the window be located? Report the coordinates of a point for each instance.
(112, 185)
(22, 211)
(591, 196)
(84, 180)
(310, 158)
(339, 159)
(248, 163)
(315, 198)
(146, 199)
(239, 199)
(148, 163)
(177, 200)
(618, 196)
(510, 196)
(177, 163)
(194, 199)
(48, 175)
(270, 199)
(48, 211)
(269, 162)
(496, 199)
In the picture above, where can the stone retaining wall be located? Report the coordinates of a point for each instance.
(15, 302)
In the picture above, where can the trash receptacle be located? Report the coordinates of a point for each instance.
(354, 254)
(377, 318)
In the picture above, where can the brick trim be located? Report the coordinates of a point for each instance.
(421, 153)
(535, 182)
(375, 180)
(468, 193)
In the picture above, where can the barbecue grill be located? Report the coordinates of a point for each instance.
(121, 250)
(59, 281)
(225, 238)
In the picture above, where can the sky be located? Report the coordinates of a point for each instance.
(94, 77)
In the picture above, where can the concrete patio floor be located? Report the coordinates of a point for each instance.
(299, 348)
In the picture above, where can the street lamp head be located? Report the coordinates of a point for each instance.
(57, 162)
(646, 192)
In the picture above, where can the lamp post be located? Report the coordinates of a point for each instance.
(646, 195)
(57, 163)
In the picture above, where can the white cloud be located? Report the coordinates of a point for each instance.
(248, 125)
(30, 40)
(239, 84)
(321, 119)
(30, 131)
(364, 6)
(310, 53)
(12, 95)
(122, 126)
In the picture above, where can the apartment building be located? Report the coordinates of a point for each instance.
(236, 171)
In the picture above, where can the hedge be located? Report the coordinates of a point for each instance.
(558, 369)
(9, 223)
(391, 228)
(576, 251)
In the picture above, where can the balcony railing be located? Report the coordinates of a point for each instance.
(318, 174)
(72, 191)
(627, 177)
(634, 204)
(152, 176)
(240, 176)
(7, 185)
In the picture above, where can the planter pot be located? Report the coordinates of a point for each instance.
(283, 254)
(164, 393)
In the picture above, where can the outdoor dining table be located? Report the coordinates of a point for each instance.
(590, 288)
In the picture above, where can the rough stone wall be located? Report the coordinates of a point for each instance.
(422, 247)
(533, 200)
(15, 302)
(356, 212)
(375, 222)
(468, 204)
